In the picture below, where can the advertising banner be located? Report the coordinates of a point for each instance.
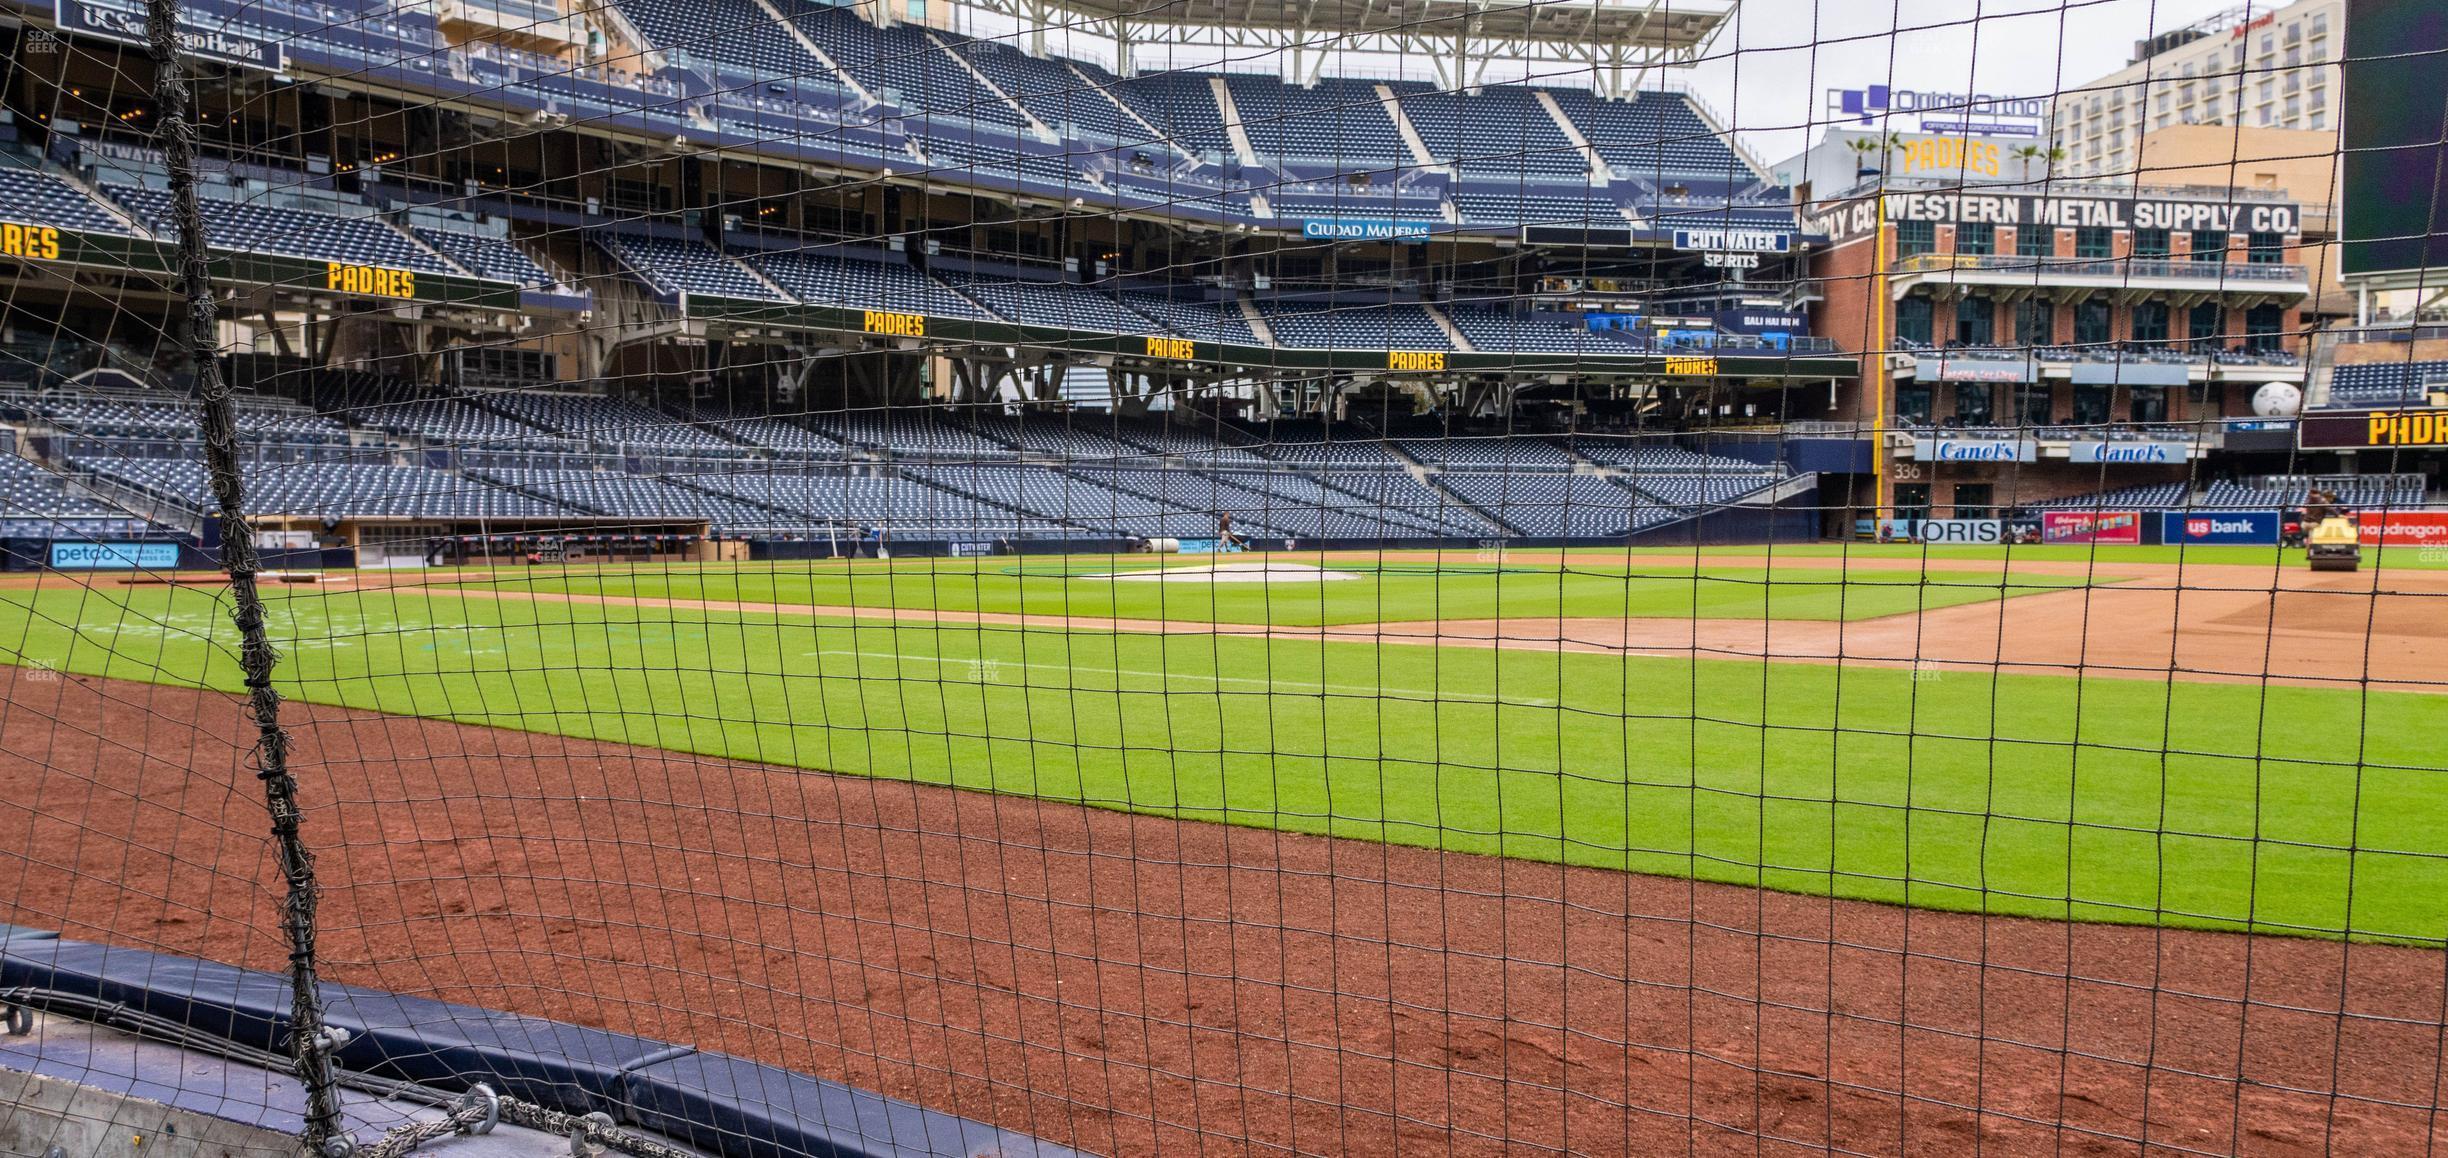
(1363, 229)
(1975, 450)
(1856, 217)
(2357, 429)
(1951, 369)
(2131, 452)
(2128, 373)
(1960, 531)
(115, 556)
(1762, 322)
(1734, 240)
(2118, 528)
(2405, 528)
(2242, 528)
(79, 16)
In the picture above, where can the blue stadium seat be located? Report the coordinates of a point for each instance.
(254, 226)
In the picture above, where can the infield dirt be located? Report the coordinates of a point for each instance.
(1136, 985)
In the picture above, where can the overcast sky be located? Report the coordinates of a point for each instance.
(1769, 72)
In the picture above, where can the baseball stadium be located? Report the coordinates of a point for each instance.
(962, 578)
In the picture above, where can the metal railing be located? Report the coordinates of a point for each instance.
(2137, 268)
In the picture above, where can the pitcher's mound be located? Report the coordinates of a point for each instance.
(1234, 573)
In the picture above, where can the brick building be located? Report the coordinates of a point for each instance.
(2038, 342)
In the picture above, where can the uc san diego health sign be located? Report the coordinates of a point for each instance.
(84, 18)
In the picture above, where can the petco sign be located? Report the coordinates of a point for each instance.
(1975, 449)
(2248, 528)
(2129, 452)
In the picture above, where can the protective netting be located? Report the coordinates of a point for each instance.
(1287, 579)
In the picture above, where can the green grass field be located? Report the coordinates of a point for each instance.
(1368, 592)
(2221, 805)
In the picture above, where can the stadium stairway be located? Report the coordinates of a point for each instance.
(1234, 130)
(1452, 333)
(1405, 129)
(808, 43)
(1043, 131)
(1572, 132)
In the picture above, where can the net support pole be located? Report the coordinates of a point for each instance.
(308, 1042)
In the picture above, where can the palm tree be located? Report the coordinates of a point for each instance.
(2049, 156)
(1885, 145)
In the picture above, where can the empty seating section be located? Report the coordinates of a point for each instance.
(736, 34)
(1486, 328)
(2369, 492)
(1499, 203)
(1397, 490)
(610, 421)
(1652, 133)
(2148, 497)
(2391, 383)
(113, 415)
(633, 496)
(994, 159)
(1181, 105)
(907, 507)
(1692, 491)
(1501, 129)
(1189, 440)
(486, 256)
(1547, 505)
(782, 435)
(453, 422)
(1068, 436)
(1427, 203)
(1337, 453)
(254, 227)
(1354, 326)
(1042, 474)
(910, 433)
(1048, 89)
(1339, 123)
(1056, 304)
(1487, 452)
(44, 199)
(825, 279)
(1193, 318)
(1649, 455)
(902, 65)
(332, 489)
(33, 501)
(677, 266)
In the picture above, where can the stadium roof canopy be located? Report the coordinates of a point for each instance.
(1615, 39)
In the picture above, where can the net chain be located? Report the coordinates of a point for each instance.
(307, 1041)
(589, 1134)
